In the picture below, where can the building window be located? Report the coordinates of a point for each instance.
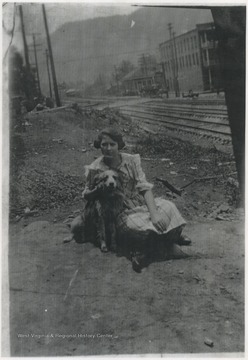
(189, 60)
(186, 60)
(193, 57)
(205, 55)
(195, 40)
(183, 61)
(191, 40)
(197, 58)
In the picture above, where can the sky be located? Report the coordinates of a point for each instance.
(57, 15)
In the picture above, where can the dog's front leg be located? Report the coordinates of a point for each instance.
(100, 228)
(112, 235)
(101, 235)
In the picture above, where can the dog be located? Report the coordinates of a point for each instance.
(105, 208)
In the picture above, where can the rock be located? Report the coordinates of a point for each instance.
(224, 208)
(233, 182)
(208, 342)
(59, 141)
(68, 239)
(219, 217)
(195, 206)
(27, 210)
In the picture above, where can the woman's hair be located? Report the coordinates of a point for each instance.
(114, 134)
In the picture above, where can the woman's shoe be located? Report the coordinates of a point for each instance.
(184, 240)
(138, 262)
(136, 265)
(175, 252)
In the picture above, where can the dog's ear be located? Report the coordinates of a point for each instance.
(98, 178)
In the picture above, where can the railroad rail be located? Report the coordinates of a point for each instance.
(202, 121)
(201, 118)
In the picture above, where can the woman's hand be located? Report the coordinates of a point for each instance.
(158, 221)
(156, 218)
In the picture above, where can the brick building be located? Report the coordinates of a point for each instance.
(190, 60)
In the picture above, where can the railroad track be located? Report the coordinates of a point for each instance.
(199, 120)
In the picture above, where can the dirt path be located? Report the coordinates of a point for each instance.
(70, 299)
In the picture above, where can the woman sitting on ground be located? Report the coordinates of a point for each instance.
(143, 217)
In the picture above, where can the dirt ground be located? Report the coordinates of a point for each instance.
(70, 299)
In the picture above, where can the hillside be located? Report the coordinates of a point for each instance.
(84, 49)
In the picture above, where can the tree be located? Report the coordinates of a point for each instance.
(122, 70)
(21, 81)
(147, 63)
(125, 68)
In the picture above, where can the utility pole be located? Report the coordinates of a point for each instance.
(165, 80)
(172, 57)
(117, 79)
(48, 73)
(176, 66)
(144, 62)
(24, 40)
(36, 64)
(55, 86)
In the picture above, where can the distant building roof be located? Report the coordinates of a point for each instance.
(139, 74)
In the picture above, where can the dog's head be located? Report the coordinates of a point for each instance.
(109, 179)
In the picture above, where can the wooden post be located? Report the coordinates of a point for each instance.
(56, 93)
(36, 64)
(24, 40)
(48, 73)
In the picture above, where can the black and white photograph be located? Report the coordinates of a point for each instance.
(123, 186)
